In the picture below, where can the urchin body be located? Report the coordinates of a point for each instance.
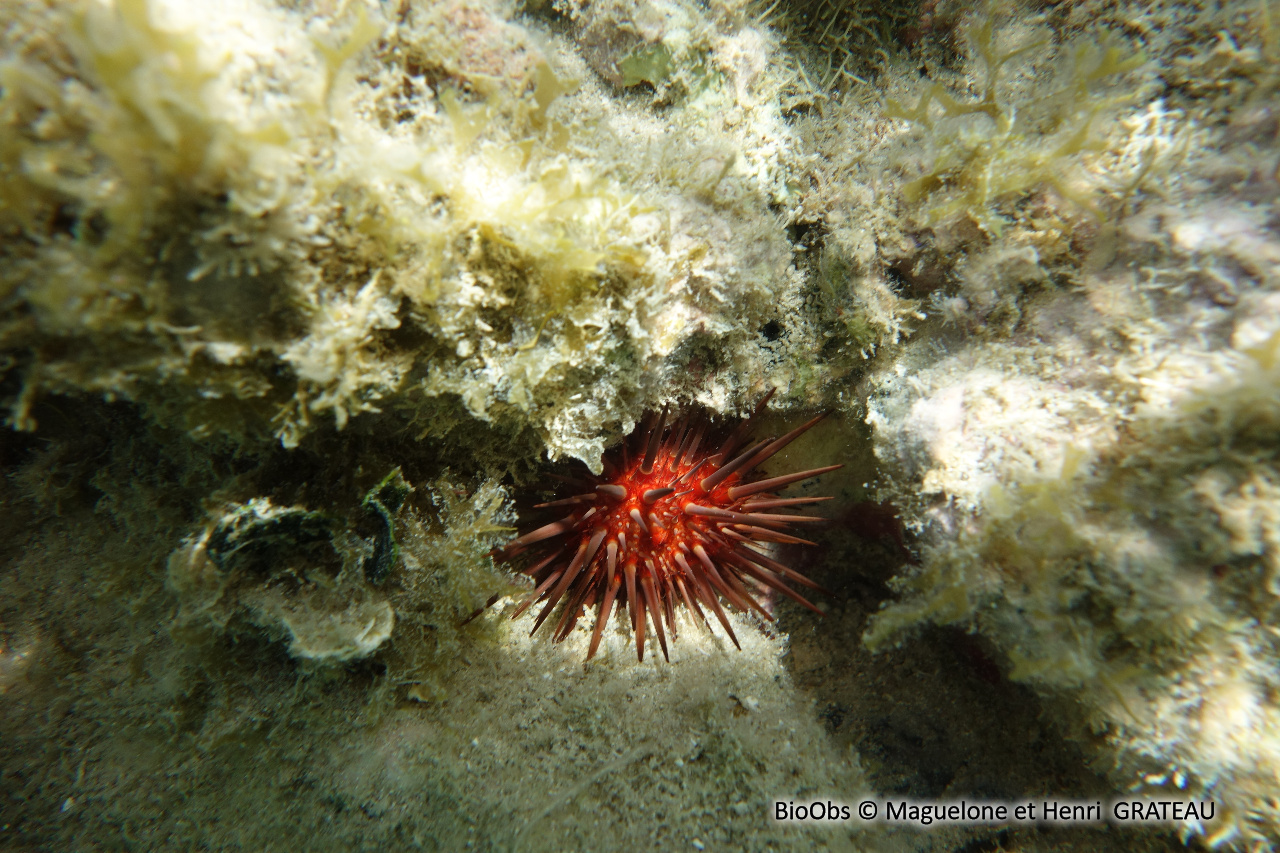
(670, 523)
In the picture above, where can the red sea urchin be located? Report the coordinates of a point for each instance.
(667, 519)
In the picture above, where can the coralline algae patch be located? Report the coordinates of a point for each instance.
(1080, 437)
(1101, 504)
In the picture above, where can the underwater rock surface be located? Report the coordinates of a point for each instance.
(302, 304)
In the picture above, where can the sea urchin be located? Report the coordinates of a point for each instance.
(667, 519)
